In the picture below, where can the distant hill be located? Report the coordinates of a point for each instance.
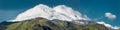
(4, 24)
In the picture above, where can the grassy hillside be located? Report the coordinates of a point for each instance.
(118, 29)
(44, 24)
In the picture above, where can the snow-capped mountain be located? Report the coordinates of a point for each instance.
(60, 12)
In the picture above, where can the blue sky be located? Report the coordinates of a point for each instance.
(94, 9)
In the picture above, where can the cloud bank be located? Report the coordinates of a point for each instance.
(110, 15)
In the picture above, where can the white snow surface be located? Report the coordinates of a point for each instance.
(108, 25)
(60, 12)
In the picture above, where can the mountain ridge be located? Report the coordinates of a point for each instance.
(44, 24)
(40, 23)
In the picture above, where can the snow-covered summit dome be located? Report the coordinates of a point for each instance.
(60, 12)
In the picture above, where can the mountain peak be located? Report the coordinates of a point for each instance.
(60, 12)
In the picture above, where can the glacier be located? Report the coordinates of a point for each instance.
(60, 12)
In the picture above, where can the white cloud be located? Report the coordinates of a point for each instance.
(110, 15)
(108, 25)
(60, 12)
